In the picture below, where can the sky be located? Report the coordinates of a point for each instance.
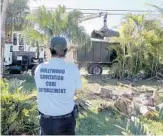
(113, 21)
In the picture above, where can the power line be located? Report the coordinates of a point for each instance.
(108, 10)
(119, 14)
(139, 12)
(101, 10)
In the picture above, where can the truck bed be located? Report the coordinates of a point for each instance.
(97, 52)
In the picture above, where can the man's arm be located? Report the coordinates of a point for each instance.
(78, 85)
(36, 70)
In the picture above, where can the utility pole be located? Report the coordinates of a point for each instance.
(4, 4)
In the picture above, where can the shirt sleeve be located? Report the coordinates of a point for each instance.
(78, 79)
(36, 71)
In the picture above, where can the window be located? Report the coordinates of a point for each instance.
(21, 48)
(21, 40)
(11, 48)
(15, 39)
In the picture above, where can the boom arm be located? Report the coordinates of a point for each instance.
(94, 16)
(104, 31)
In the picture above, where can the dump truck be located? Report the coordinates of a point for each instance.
(98, 53)
(96, 56)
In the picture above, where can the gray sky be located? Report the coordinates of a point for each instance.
(113, 20)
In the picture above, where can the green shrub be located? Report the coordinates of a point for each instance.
(160, 113)
(14, 83)
(19, 113)
(133, 127)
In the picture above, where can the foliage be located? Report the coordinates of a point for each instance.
(155, 127)
(16, 13)
(144, 125)
(160, 9)
(133, 127)
(14, 84)
(43, 24)
(159, 113)
(141, 47)
(18, 111)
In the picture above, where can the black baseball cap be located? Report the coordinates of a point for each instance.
(59, 44)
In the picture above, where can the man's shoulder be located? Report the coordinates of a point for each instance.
(72, 65)
(41, 65)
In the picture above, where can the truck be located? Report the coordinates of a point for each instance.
(19, 56)
(95, 56)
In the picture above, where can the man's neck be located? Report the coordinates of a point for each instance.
(53, 58)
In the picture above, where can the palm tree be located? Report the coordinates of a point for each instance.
(142, 39)
(35, 38)
(15, 15)
(43, 24)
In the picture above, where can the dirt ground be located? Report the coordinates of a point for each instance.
(95, 83)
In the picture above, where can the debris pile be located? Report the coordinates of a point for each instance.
(130, 100)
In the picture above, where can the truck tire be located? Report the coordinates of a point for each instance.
(89, 69)
(97, 70)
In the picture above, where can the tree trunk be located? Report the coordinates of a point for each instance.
(2, 25)
(38, 50)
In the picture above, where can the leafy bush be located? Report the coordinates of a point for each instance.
(140, 48)
(19, 113)
(156, 127)
(15, 83)
(160, 113)
(155, 115)
(133, 127)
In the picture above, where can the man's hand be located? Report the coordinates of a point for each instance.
(77, 92)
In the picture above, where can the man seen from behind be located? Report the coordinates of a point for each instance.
(57, 81)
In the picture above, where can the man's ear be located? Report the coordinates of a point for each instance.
(65, 50)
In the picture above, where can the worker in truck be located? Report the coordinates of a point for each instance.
(57, 82)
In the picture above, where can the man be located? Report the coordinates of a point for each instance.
(57, 82)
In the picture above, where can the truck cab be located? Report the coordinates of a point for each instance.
(19, 55)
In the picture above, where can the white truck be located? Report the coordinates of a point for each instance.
(19, 55)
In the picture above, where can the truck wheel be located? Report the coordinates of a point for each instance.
(96, 70)
(89, 69)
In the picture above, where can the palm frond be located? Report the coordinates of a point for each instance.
(33, 35)
(160, 9)
(16, 13)
(59, 23)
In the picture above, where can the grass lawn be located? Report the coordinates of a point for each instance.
(98, 124)
(94, 122)
(28, 82)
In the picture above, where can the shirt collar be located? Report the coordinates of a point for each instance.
(61, 59)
